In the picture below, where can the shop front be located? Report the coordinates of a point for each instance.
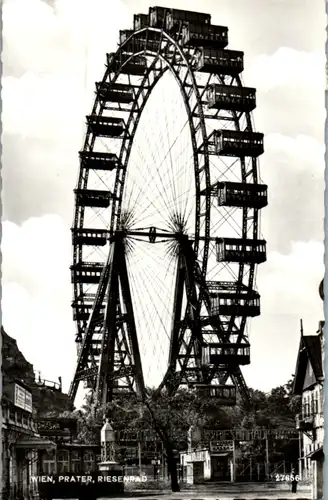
(220, 467)
(317, 460)
(20, 443)
(216, 463)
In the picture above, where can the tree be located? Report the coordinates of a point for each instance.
(171, 417)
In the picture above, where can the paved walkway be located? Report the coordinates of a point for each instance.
(245, 491)
(221, 491)
(188, 496)
(216, 494)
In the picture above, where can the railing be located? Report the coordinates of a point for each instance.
(304, 421)
(50, 384)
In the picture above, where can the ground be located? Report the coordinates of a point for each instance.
(237, 491)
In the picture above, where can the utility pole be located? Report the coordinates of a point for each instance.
(189, 438)
(267, 457)
(139, 457)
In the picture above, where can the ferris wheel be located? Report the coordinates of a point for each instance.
(166, 232)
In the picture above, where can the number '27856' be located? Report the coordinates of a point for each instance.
(288, 478)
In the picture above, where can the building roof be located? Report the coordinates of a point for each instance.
(35, 443)
(316, 454)
(310, 350)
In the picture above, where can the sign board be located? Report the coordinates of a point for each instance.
(57, 427)
(23, 398)
(221, 446)
(194, 456)
(28, 401)
(249, 435)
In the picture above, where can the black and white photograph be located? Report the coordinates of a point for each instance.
(162, 330)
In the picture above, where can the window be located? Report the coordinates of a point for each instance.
(76, 462)
(88, 461)
(48, 464)
(321, 399)
(315, 403)
(62, 461)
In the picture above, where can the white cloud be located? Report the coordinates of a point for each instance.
(285, 67)
(298, 153)
(290, 91)
(288, 285)
(290, 282)
(60, 54)
(293, 168)
(44, 107)
(55, 40)
(38, 252)
(36, 293)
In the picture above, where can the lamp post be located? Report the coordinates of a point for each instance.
(107, 439)
(109, 468)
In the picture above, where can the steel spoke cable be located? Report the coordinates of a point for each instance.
(143, 278)
(163, 320)
(138, 185)
(174, 194)
(225, 218)
(142, 157)
(137, 199)
(156, 276)
(148, 175)
(156, 259)
(160, 208)
(149, 320)
(150, 254)
(228, 169)
(165, 189)
(161, 135)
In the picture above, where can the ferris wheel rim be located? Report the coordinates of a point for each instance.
(88, 146)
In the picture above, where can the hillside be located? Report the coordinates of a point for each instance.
(15, 367)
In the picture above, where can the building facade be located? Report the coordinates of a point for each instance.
(23, 400)
(20, 442)
(216, 462)
(308, 383)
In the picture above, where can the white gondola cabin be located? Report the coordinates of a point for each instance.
(157, 16)
(242, 195)
(204, 35)
(93, 237)
(114, 92)
(235, 303)
(140, 21)
(238, 143)
(231, 97)
(226, 353)
(176, 16)
(240, 250)
(223, 62)
(99, 161)
(124, 35)
(147, 40)
(106, 126)
(135, 66)
(224, 395)
(93, 198)
(86, 272)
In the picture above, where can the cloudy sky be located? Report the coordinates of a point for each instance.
(54, 51)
